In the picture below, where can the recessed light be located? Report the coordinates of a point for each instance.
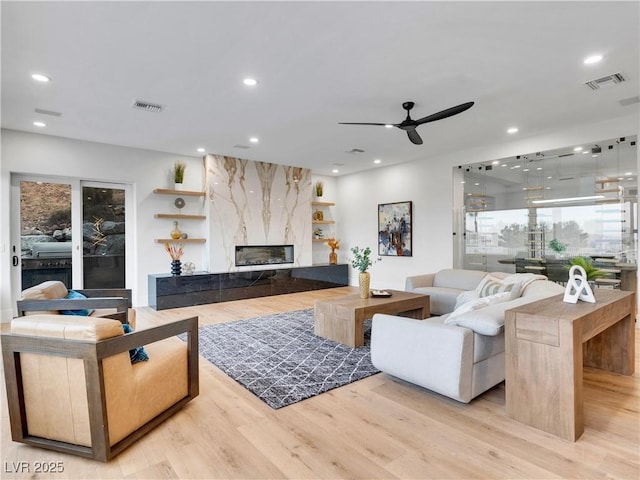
(38, 77)
(377, 160)
(495, 162)
(335, 170)
(549, 178)
(477, 184)
(512, 130)
(40, 124)
(539, 168)
(250, 82)
(503, 165)
(577, 149)
(628, 173)
(590, 60)
(463, 181)
(525, 170)
(254, 140)
(388, 126)
(200, 150)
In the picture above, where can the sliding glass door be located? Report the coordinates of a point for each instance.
(69, 230)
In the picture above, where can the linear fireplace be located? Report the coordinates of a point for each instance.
(263, 254)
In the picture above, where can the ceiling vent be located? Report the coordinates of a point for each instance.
(244, 147)
(608, 81)
(625, 102)
(354, 150)
(147, 106)
(47, 112)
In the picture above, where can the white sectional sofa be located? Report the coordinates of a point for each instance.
(458, 352)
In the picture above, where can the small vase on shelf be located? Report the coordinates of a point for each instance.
(178, 186)
(176, 234)
(176, 268)
(333, 258)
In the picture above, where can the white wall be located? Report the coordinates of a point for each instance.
(145, 170)
(428, 183)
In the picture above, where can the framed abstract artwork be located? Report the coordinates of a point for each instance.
(394, 229)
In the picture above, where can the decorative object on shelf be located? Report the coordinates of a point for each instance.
(184, 236)
(333, 244)
(189, 268)
(578, 287)
(394, 225)
(319, 188)
(318, 215)
(362, 261)
(179, 203)
(318, 233)
(176, 234)
(178, 174)
(175, 252)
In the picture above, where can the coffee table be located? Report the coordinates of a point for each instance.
(342, 319)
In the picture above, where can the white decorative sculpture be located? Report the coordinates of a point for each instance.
(578, 287)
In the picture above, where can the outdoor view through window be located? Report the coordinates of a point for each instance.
(534, 208)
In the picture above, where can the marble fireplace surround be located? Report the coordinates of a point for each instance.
(256, 203)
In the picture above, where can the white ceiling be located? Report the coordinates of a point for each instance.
(318, 63)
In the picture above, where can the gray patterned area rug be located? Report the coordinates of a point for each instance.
(279, 359)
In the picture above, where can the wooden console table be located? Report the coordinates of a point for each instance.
(547, 344)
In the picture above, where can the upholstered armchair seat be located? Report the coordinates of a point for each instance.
(71, 385)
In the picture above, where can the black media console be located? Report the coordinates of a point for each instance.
(167, 291)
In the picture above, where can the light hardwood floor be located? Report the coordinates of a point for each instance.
(378, 427)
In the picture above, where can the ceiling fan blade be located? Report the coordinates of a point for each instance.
(449, 112)
(357, 123)
(414, 137)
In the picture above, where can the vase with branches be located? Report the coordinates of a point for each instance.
(362, 261)
(333, 244)
(175, 251)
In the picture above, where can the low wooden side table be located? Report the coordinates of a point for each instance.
(342, 319)
(547, 344)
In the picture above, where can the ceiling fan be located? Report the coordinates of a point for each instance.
(409, 125)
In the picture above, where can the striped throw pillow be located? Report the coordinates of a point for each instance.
(492, 285)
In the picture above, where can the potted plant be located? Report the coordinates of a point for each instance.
(587, 264)
(319, 188)
(178, 174)
(362, 261)
(556, 246)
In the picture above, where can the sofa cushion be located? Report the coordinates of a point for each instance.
(477, 304)
(441, 299)
(458, 278)
(487, 346)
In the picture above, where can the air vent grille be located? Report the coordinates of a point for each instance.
(243, 147)
(47, 112)
(608, 81)
(147, 106)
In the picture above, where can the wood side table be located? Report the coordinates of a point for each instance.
(547, 344)
(342, 319)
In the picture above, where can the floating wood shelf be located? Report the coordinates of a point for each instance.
(187, 193)
(323, 204)
(319, 240)
(326, 222)
(180, 216)
(180, 240)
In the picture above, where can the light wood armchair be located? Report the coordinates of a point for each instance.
(73, 388)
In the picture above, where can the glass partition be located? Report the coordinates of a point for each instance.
(527, 210)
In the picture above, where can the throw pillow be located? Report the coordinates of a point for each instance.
(75, 296)
(136, 354)
(477, 304)
(465, 297)
(492, 285)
